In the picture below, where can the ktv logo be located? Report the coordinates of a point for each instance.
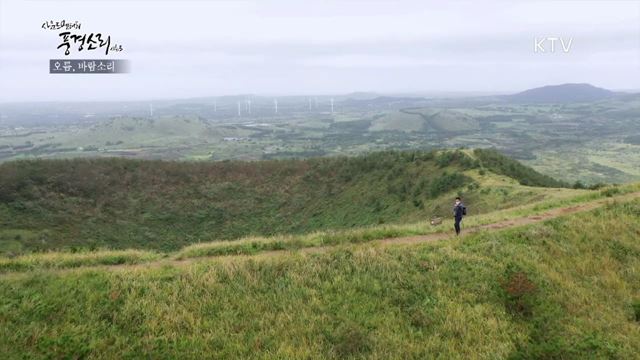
(549, 44)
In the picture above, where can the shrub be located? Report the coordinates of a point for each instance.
(447, 182)
(457, 157)
(609, 192)
(519, 291)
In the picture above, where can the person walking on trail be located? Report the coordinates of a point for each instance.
(459, 210)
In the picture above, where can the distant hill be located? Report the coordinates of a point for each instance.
(359, 95)
(383, 101)
(561, 94)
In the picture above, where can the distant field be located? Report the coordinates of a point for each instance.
(588, 142)
(447, 120)
(399, 121)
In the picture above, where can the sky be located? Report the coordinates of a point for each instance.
(181, 49)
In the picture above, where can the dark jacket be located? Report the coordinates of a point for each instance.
(458, 211)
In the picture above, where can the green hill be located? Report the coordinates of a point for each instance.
(444, 120)
(567, 288)
(500, 164)
(564, 93)
(119, 203)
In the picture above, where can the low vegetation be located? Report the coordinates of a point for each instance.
(256, 245)
(534, 292)
(86, 204)
(62, 260)
(498, 163)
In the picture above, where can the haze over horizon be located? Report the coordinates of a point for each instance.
(353, 94)
(184, 49)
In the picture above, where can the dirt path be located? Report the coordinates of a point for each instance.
(526, 220)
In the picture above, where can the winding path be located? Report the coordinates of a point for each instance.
(515, 222)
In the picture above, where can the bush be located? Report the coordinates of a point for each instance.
(609, 192)
(519, 291)
(448, 158)
(447, 182)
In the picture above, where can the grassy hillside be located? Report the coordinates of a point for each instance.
(500, 164)
(118, 203)
(535, 292)
(444, 120)
(560, 201)
(397, 120)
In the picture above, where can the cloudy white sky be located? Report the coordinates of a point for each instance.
(184, 49)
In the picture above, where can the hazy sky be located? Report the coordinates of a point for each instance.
(209, 48)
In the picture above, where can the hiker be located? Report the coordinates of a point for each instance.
(459, 210)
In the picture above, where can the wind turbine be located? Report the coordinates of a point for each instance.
(275, 105)
(239, 109)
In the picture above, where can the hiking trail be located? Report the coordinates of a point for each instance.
(499, 225)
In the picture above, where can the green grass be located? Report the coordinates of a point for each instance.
(445, 120)
(85, 204)
(499, 164)
(587, 142)
(398, 121)
(255, 245)
(563, 289)
(58, 260)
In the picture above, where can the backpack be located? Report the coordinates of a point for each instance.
(464, 211)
